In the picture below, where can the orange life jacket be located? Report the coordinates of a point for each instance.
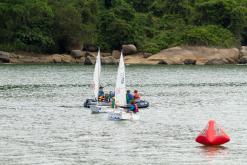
(136, 96)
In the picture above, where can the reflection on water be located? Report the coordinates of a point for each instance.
(213, 151)
(42, 120)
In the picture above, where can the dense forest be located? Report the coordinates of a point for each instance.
(48, 26)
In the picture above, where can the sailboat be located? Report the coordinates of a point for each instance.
(93, 103)
(98, 107)
(119, 113)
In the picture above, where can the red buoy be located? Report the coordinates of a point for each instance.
(212, 135)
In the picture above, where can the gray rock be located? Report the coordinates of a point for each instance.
(4, 57)
(105, 54)
(77, 53)
(146, 55)
(243, 51)
(107, 60)
(89, 60)
(92, 54)
(189, 62)
(129, 49)
(242, 60)
(163, 62)
(116, 54)
(216, 62)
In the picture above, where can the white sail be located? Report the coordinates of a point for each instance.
(96, 76)
(120, 90)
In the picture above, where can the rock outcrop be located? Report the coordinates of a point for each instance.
(176, 55)
(90, 60)
(243, 55)
(196, 55)
(129, 49)
(108, 60)
(4, 57)
(116, 54)
(77, 53)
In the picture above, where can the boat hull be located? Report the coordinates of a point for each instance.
(96, 109)
(123, 115)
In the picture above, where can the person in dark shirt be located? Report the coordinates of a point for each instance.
(129, 97)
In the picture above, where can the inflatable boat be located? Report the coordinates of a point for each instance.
(90, 102)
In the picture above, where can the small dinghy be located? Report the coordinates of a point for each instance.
(120, 97)
(212, 135)
(93, 103)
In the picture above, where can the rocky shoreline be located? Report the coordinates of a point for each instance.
(176, 55)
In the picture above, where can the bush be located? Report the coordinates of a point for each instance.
(210, 35)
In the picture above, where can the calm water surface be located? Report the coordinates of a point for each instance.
(42, 120)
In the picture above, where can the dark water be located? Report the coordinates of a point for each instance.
(42, 120)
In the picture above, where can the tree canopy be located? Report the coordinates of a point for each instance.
(61, 25)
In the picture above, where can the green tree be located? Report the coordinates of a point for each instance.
(68, 34)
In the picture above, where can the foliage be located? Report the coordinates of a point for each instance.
(62, 25)
(209, 35)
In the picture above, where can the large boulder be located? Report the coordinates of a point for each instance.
(4, 57)
(196, 55)
(77, 53)
(129, 49)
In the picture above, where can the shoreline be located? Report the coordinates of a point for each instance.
(193, 55)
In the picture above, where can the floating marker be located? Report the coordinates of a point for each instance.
(212, 135)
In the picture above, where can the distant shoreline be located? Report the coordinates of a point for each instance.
(172, 56)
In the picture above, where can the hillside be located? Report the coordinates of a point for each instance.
(57, 26)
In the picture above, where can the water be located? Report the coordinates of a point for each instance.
(42, 120)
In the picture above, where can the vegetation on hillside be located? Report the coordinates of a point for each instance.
(61, 25)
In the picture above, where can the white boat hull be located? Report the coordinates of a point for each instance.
(100, 109)
(123, 115)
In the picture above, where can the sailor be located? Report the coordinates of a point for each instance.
(112, 94)
(136, 95)
(101, 94)
(133, 106)
(113, 102)
(129, 97)
(107, 97)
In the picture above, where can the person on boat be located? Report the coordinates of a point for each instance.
(136, 95)
(129, 97)
(113, 102)
(107, 98)
(133, 107)
(112, 94)
(101, 94)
